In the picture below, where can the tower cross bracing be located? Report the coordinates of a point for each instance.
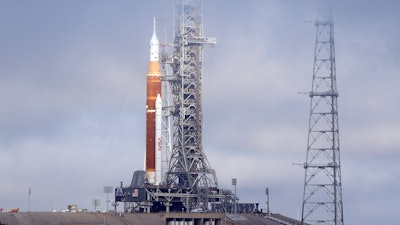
(322, 197)
(188, 165)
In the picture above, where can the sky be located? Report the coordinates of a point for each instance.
(73, 85)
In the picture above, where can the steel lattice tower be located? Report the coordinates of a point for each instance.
(188, 166)
(322, 198)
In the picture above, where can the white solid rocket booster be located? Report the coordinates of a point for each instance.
(158, 140)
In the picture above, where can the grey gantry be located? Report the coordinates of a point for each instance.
(188, 165)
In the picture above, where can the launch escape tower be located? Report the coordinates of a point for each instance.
(322, 197)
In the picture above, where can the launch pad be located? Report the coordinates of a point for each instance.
(141, 196)
(158, 199)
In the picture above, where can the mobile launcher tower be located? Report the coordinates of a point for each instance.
(177, 178)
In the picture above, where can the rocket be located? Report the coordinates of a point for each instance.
(153, 108)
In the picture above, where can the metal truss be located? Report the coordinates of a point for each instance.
(155, 199)
(322, 198)
(188, 165)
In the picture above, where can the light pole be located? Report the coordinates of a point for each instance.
(234, 182)
(267, 193)
(29, 199)
(107, 190)
(96, 204)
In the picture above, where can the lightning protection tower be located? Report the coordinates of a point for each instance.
(322, 197)
(189, 168)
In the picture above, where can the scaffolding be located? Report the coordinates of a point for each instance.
(188, 165)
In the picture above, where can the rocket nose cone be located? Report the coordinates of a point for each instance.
(158, 101)
(158, 97)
